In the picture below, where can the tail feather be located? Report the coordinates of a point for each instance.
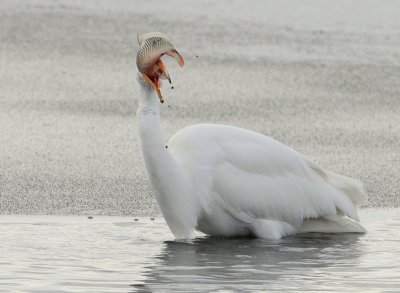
(331, 224)
(351, 187)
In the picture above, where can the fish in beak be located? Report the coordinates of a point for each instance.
(152, 46)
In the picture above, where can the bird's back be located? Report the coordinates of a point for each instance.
(251, 176)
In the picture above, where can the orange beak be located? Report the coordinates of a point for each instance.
(159, 71)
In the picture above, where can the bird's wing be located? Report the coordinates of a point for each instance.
(253, 176)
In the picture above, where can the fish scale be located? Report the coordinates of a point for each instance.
(148, 60)
(150, 51)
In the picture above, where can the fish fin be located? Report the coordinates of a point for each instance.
(177, 56)
(139, 39)
(162, 70)
(143, 37)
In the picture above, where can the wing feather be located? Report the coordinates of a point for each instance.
(253, 176)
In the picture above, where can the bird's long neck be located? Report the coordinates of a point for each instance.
(159, 161)
(165, 173)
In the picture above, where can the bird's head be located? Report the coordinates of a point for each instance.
(152, 46)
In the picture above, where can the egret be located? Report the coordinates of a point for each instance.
(228, 181)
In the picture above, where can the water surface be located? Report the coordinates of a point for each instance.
(116, 254)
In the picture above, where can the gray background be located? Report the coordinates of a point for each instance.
(320, 76)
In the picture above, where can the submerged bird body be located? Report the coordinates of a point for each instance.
(228, 181)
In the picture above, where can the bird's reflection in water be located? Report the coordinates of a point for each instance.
(211, 263)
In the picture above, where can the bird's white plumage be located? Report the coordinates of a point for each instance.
(229, 181)
(251, 176)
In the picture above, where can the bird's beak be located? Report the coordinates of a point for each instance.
(159, 71)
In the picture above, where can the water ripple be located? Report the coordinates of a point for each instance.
(74, 254)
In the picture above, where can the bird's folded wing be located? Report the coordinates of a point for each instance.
(254, 176)
(269, 180)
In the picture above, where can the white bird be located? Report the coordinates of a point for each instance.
(228, 181)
